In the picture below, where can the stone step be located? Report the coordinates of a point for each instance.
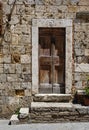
(43, 112)
(52, 98)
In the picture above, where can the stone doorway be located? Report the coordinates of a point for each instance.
(51, 60)
(38, 24)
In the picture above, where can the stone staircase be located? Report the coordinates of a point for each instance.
(51, 108)
(56, 108)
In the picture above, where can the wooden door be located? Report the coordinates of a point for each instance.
(52, 60)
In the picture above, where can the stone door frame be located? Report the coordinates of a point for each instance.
(58, 23)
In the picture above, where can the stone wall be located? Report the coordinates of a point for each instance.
(15, 45)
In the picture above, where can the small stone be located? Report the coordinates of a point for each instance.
(7, 36)
(2, 77)
(25, 59)
(9, 68)
(24, 113)
(14, 119)
(14, 39)
(14, 20)
(7, 59)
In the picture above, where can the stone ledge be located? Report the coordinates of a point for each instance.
(52, 97)
(48, 105)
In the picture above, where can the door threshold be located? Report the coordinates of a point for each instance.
(51, 94)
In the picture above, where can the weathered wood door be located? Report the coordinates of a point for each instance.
(52, 60)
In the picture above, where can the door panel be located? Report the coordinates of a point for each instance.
(52, 60)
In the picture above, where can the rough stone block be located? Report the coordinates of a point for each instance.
(7, 36)
(12, 77)
(1, 68)
(14, 119)
(27, 92)
(26, 85)
(24, 110)
(27, 77)
(6, 9)
(25, 59)
(18, 68)
(86, 52)
(9, 68)
(14, 19)
(26, 68)
(84, 2)
(15, 39)
(2, 77)
(13, 100)
(25, 101)
(7, 59)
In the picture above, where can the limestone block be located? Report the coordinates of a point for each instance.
(82, 67)
(27, 77)
(7, 36)
(16, 85)
(18, 68)
(11, 1)
(25, 101)
(28, 48)
(14, 19)
(41, 8)
(5, 85)
(15, 50)
(79, 52)
(25, 59)
(9, 68)
(6, 9)
(26, 69)
(17, 29)
(1, 68)
(26, 29)
(38, 2)
(27, 19)
(6, 49)
(86, 52)
(2, 77)
(7, 59)
(12, 77)
(20, 9)
(26, 85)
(13, 100)
(78, 85)
(84, 2)
(15, 39)
(24, 113)
(1, 58)
(72, 9)
(29, 10)
(14, 119)
(25, 38)
(74, 2)
(27, 92)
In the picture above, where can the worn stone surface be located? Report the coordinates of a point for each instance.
(18, 68)
(58, 112)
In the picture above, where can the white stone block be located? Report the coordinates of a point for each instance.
(24, 111)
(25, 59)
(14, 119)
(82, 67)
